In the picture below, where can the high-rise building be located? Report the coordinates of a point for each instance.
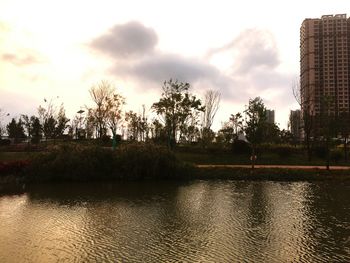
(295, 124)
(324, 65)
(270, 116)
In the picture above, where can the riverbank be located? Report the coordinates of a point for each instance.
(140, 162)
(16, 182)
(271, 173)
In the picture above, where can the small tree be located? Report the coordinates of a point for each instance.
(175, 107)
(33, 127)
(327, 125)
(15, 130)
(343, 124)
(108, 108)
(255, 124)
(36, 129)
(54, 122)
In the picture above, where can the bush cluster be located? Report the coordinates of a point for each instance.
(4, 142)
(282, 150)
(241, 147)
(82, 163)
(13, 167)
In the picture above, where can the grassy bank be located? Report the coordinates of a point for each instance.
(273, 174)
(140, 161)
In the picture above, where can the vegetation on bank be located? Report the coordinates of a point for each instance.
(272, 174)
(89, 163)
(146, 161)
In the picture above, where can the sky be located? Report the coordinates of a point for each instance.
(57, 50)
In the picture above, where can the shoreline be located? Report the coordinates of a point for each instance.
(278, 173)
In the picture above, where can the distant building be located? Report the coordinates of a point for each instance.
(295, 123)
(324, 66)
(270, 116)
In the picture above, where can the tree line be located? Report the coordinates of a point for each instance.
(180, 116)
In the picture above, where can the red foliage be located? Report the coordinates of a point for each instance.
(13, 167)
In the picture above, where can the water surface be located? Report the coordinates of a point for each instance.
(198, 221)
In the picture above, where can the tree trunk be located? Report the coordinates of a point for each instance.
(308, 147)
(253, 157)
(327, 147)
(346, 148)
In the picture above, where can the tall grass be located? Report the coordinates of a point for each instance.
(86, 163)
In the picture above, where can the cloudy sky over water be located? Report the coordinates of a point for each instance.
(244, 49)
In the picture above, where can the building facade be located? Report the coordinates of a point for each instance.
(324, 66)
(295, 124)
(270, 116)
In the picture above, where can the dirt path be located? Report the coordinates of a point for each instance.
(272, 166)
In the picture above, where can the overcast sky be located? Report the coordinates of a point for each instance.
(244, 49)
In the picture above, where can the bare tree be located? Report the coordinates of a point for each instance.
(2, 117)
(211, 103)
(108, 105)
(303, 98)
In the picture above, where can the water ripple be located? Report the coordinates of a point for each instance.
(201, 221)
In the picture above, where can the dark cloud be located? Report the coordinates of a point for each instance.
(126, 40)
(161, 67)
(156, 69)
(21, 60)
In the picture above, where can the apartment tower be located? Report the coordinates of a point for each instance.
(324, 65)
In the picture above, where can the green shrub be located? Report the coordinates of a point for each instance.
(241, 147)
(35, 140)
(72, 162)
(320, 151)
(336, 155)
(4, 142)
(81, 163)
(148, 161)
(284, 151)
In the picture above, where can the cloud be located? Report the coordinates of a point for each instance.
(126, 40)
(251, 49)
(27, 58)
(4, 27)
(254, 69)
(160, 67)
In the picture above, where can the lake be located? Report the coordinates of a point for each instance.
(195, 221)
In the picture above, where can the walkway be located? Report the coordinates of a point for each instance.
(272, 166)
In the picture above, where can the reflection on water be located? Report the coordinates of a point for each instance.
(226, 221)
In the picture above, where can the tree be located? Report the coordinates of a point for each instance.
(2, 117)
(175, 107)
(33, 127)
(328, 126)
(108, 108)
(54, 122)
(158, 133)
(62, 122)
(211, 104)
(255, 124)
(133, 125)
(226, 133)
(49, 127)
(36, 129)
(15, 130)
(343, 124)
(303, 98)
(27, 124)
(236, 121)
